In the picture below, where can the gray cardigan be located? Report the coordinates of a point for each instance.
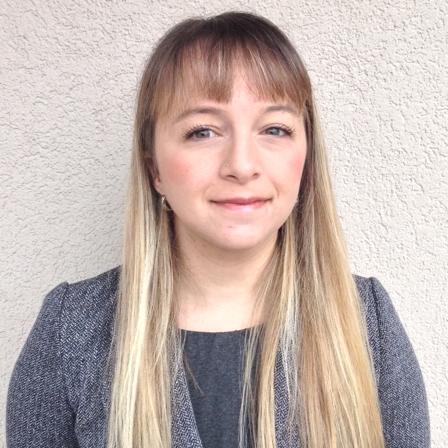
(59, 391)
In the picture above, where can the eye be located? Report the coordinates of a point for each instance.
(279, 131)
(199, 133)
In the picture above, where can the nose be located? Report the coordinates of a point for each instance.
(241, 162)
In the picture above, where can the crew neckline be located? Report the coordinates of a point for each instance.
(229, 332)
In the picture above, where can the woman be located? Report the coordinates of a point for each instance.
(234, 319)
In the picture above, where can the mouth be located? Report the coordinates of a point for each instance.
(240, 204)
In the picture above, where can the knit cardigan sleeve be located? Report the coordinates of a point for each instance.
(403, 402)
(38, 411)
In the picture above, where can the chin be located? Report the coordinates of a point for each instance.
(245, 243)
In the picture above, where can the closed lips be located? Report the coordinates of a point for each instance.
(241, 201)
(243, 205)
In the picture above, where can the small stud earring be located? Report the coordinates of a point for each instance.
(165, 204)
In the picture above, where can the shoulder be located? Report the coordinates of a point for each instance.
(374, 301)
(82, 308)
(70, 311)
(383, 324)
(91, 300)
(386, 333)
(93, 295)
(379, 310)
(372, 293)
(87, 316)
(400, 383)
(58, 381)
(85, 324)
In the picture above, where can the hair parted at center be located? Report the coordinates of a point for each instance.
(314, 319)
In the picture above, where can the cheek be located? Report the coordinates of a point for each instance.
(179, 174)
(176, 171)
(293, 169)
(296, 164)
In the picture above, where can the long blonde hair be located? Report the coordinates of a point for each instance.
(314, 317)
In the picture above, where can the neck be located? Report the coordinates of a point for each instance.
(217, 287)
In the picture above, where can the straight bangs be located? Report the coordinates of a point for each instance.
(206, 63)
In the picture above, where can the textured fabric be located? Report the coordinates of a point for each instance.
(60, 388)
(214, 370)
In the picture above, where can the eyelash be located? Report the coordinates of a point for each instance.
(194, 129)
(189, 133)
(289, 131)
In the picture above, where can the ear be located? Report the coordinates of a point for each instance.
(154, 174)
(158, 184)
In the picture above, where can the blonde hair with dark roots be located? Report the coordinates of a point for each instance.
(313, 312)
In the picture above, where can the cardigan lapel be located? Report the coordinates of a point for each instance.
(283, 436)
(184, 432)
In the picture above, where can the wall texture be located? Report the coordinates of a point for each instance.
(68, 74)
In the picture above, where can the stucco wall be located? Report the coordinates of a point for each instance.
(68, 74)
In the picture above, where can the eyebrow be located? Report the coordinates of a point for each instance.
(282, 108)
(218, 111)
(199, 110)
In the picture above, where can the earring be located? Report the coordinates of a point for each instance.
(165, 204)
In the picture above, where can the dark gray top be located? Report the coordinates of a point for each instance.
(60, 389)
(215, 370)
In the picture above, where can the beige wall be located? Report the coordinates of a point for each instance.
(68, 71)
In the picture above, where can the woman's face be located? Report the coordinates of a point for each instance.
(230, 171)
